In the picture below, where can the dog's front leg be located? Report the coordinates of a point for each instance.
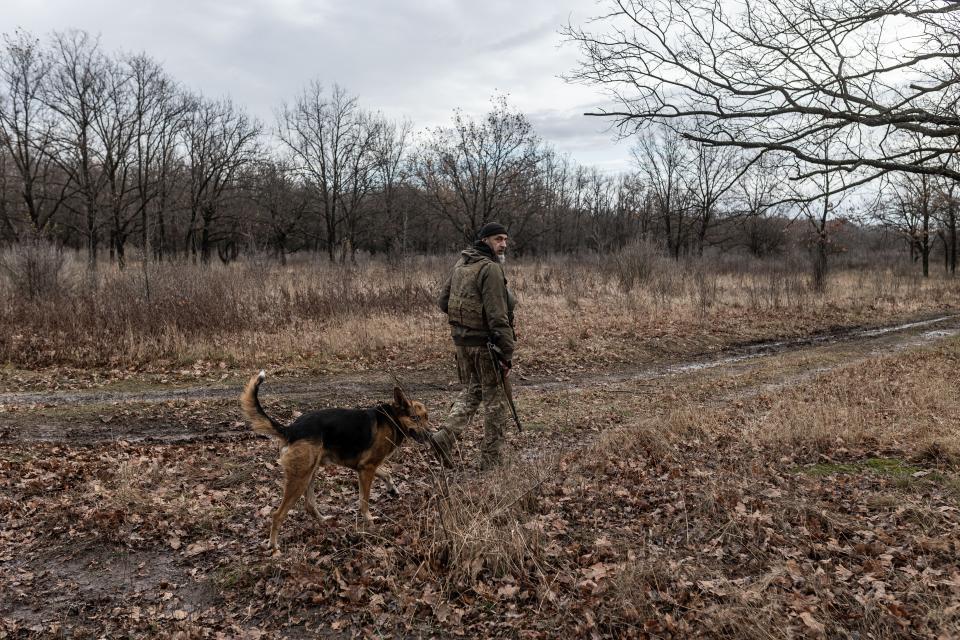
(366, 479)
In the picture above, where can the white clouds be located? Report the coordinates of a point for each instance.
(297, 14)
(588, 140)
(418, 60)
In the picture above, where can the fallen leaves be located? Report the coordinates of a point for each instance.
(811, 623)
(197, 548)
(641, 532)
(725, 543)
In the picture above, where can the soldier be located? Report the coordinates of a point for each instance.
(480, 310)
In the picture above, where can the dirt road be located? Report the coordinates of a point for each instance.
(183, 414)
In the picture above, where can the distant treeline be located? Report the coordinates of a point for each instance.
(103, 152)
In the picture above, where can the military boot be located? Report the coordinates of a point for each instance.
(490, 462)
(441, 444)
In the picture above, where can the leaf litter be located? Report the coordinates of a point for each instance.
(635, 520)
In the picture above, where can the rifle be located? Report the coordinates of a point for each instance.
(497, 356)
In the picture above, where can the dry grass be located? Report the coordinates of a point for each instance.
(309, 315)
(181, 313)
(32, 269)
(488, 528)
(904, 402)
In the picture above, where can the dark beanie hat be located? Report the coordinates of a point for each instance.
(491, 229)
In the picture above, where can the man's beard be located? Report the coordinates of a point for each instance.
(502, 257)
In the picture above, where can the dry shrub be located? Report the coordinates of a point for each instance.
(666, 288)
(706, 289)
(33, 269)
(648, 436)
(569, 278)
(773, 288)
(635, 265)
(165, 311)
(488, 528)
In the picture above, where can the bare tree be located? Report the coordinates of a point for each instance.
(910, 210)
(759, 207)
(391, 147)
(782, 74)
(618, 208)
(579, 186)
(330, 141)
(947, 205)
(555, 174)
(285, 203)
(76, 92)
(818, 198)
(477, 171)
(361, 171)
(159, 112)
(219, 141)
(634, 211)
(27, 130)
(7, 229)
(663, 160)
(716, 171)
(116, 127)
(600, 199)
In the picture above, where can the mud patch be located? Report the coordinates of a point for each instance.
(46, 588)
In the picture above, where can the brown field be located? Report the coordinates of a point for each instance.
(315, 318)
(801, 490)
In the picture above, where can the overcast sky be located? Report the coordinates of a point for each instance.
(418, 59)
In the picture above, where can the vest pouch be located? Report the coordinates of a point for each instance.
(466, 312)
(465, 307)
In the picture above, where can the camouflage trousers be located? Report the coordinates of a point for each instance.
(481, 388)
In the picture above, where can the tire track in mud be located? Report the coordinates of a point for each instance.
(876, 340)
(901, 338)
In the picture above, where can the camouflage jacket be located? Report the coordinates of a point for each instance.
(477, 301)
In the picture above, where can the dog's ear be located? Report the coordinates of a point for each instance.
(400, 398)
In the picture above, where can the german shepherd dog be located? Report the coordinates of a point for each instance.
(360, 439)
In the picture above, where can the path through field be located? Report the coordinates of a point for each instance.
(189, 413)
(638, 505)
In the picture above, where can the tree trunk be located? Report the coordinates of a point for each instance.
(952, 228)
(205, 244)
(91, 249)
(159, 244)
(820, 265)
(953, 247)
(119, 247)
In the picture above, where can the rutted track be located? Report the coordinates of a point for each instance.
(346, 387)
(21, 422)
(897, 336)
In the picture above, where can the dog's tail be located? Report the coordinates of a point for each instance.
(250, 404)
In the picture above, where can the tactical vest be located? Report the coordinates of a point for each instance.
(466, 303)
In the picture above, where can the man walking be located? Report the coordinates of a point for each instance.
(480, 311)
